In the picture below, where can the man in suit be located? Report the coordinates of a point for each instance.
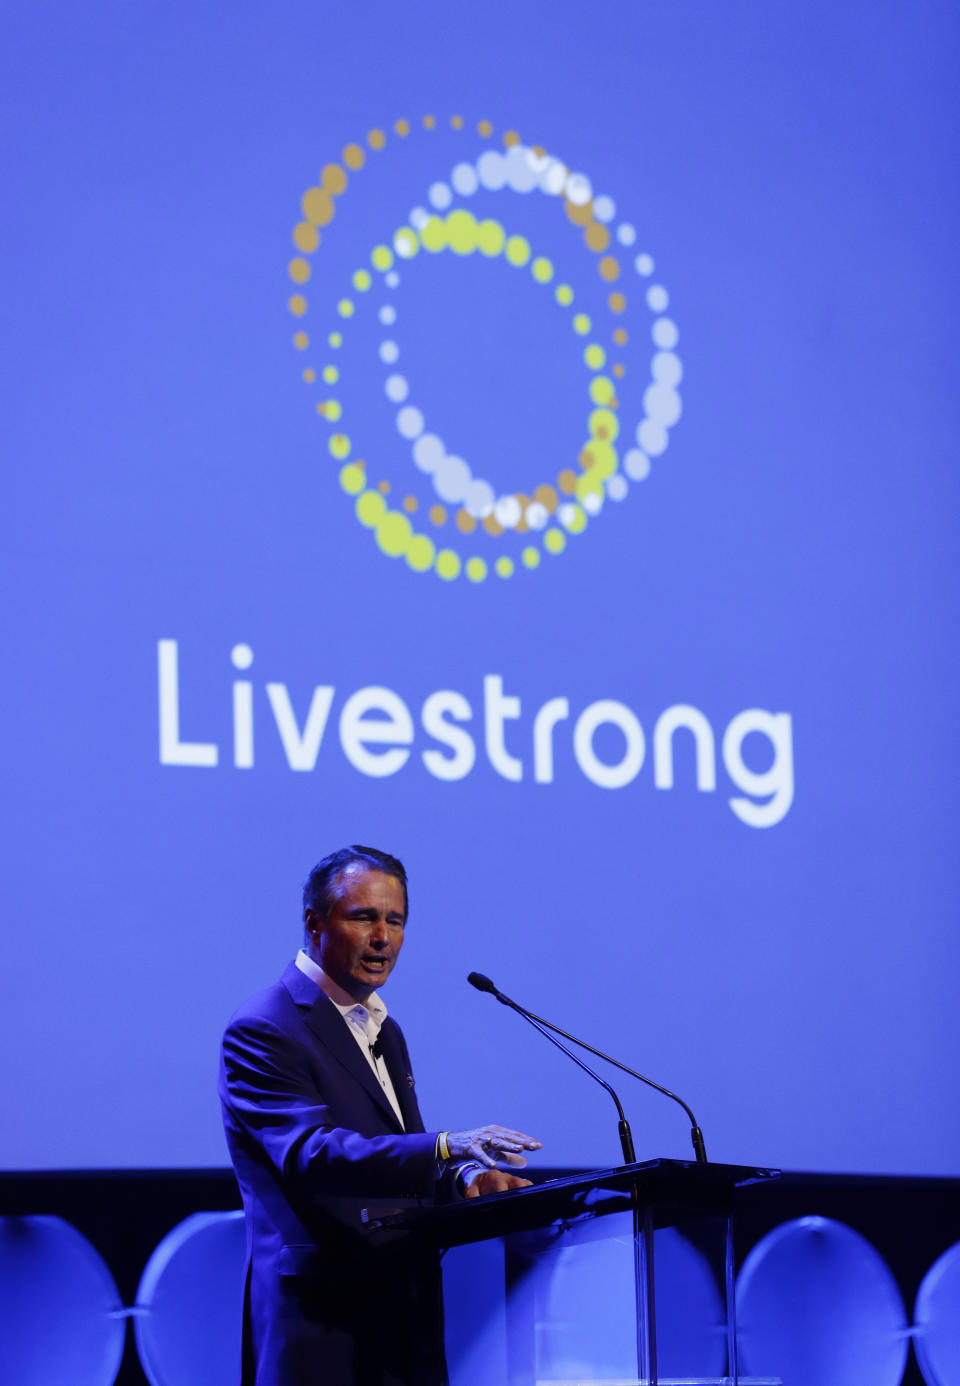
(324, 1133)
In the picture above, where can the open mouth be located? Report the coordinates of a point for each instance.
(375, 964)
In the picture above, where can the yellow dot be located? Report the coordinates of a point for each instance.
(394, 533)
(370, 508)
(554, 541)
(517, 250)
(384, 488)
(504, 567)
(402, 127)
(596, 236)
(353, 156)
(594, 356)
(438, 515)
(447, 564)
(361, 281)
(339, 446)
(309, 375)
(581, 324)
(345, 308)
(600, 460)
(298, 305)
(376, 139)
(456, 122)
(490, 237)
(542, 270)
(589, 485)
(465, 522)
(410, 504)
(306, 237)
(381, 258)
(334, 179)
(301, 341)
(462, 232)
(484, 128)
(564, 295)
(601, 389)
(567, 481)
(530, 557)
(405, 243)
(609, 268)
(331, 409)
(299, 270)
(476, 569)
(575, 520)
(331, 375)
(433, 236)
(510, 138)
(317, 206)
(603, 424)
(420, 553)
(429, 122)
(352, 479)
(335, 340)
(620, 336)
(618, 303)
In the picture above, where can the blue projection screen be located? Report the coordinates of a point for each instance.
(522, 438)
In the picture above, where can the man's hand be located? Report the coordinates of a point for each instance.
(491, 1181)
(490, 1144)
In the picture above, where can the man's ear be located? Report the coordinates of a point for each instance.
(311, 922)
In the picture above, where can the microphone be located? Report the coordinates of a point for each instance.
(482, 983)
(477, 979)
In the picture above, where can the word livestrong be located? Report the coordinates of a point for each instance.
(377, 735)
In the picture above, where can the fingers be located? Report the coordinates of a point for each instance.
(495, 1181)
(490, 1144)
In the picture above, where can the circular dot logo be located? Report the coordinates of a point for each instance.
(479, 199)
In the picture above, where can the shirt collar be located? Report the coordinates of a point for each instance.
(373, 1009)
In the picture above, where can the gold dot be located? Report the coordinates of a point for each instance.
(298, 270)
(361, 464)
(298, 305)
(539, 150)
(301, 340)
(511, 138)
(619, 333)
(465, 522)
(618, 303)
(309, 375)
(596, 236)
(580, 216)
(619, 371)
(491, 524)
(438, 515)
(402, 127)
(317, 206)
(547, 497)
(409, 504)
(306, 237)
(376, 139)
(609, 268)
(321, 407)
(333, 179)
(523, 527)
(429, 122)
(384, 488)
(585, 457)
(567, 481)
(485, 129)
(353, 156)
(456, 122)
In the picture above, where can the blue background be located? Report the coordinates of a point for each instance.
(792, 172)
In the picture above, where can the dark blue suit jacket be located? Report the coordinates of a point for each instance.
(314, 1141)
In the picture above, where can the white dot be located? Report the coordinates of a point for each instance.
(522, 174)
(579, 189)
(626, 234)
(389, 352)
(657, 298)
(567, 514)
(391, 279)
(661, 403)
(665, 333)
(617, 487)
(410, 422)
(666, 368)
(604, 208)
(405, 244)
(491, 170)
(242, 656)
(440, 196)
(636, 464)
(479, 499)
(507, 511)
(593, 502)
(418, 218)
(428, 452)
(397, 389)
(464, 179)
(451, 479)
(652, 437)
(553, 177)
(536, 515)
(388, 315)
(643, 264)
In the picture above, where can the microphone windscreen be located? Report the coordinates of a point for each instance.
(477, 979)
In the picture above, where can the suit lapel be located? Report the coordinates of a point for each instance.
(328, 1026)
(398, 1066)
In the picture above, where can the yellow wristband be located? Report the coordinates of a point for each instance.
(442, 1145)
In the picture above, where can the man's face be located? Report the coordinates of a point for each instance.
(358, 944)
